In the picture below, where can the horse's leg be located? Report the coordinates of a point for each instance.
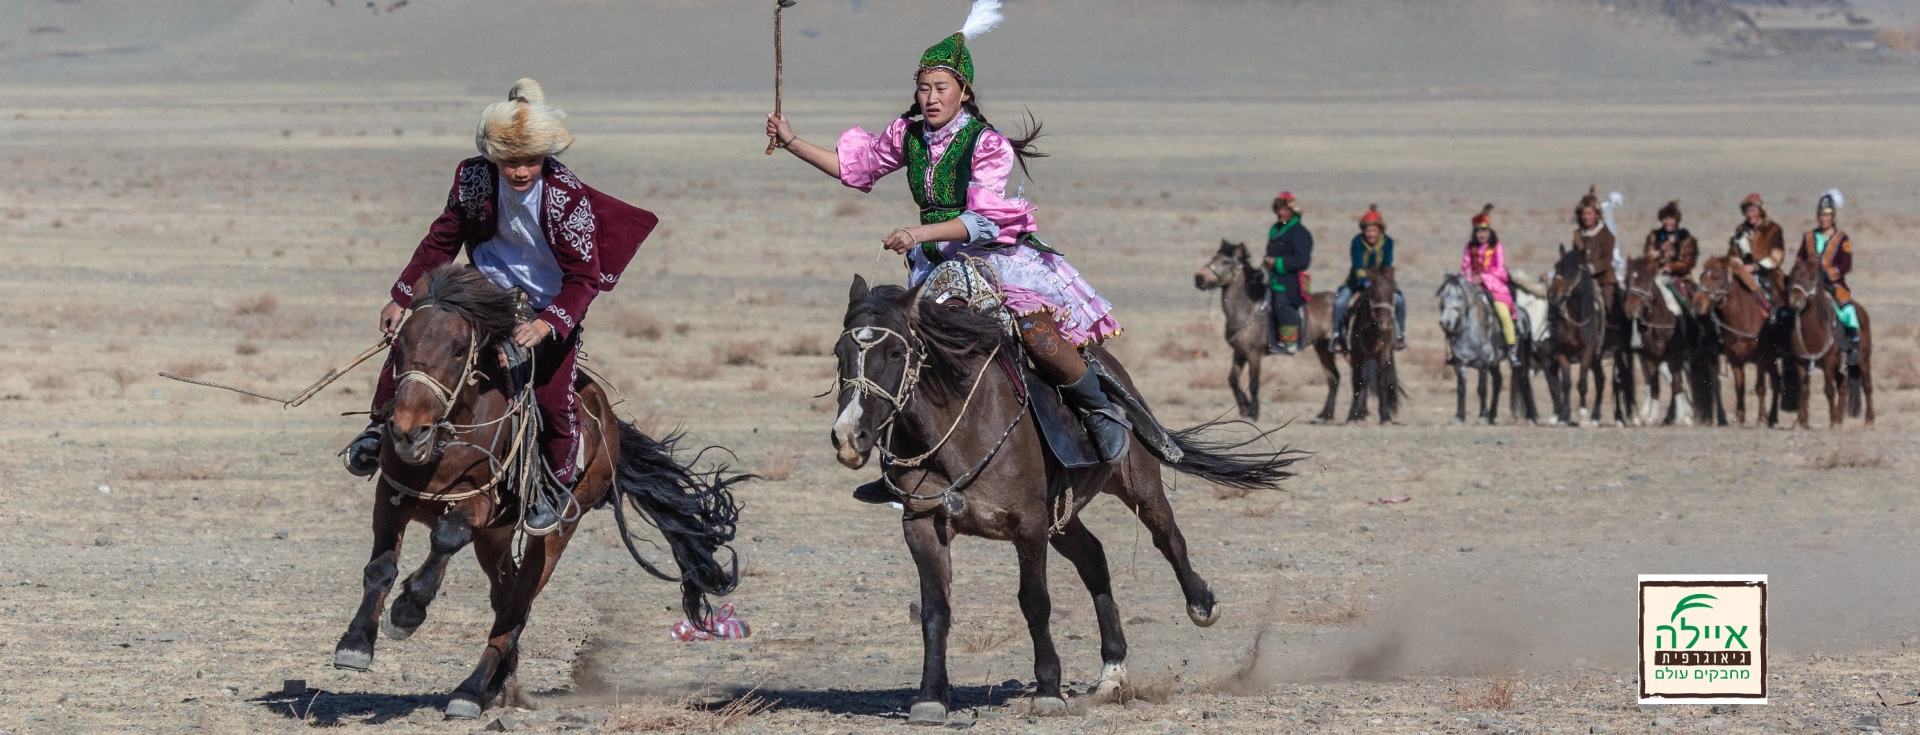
(1030, 544)
(1233, 382)
(928, 540)
(1833, 377)
(354, 652)
(1680, 411)
(1558, 386)
(1080, 547)
(1580, 409)
(513, 590)
(1147, 498)
(1480, 391)
(1253, 387)
(1459, 392)
(1332, 371)
(451, 533)
(1739, 391)
(1493, 402)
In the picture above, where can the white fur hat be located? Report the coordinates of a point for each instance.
(524, 126)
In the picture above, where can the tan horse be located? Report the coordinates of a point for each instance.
(1243, 298)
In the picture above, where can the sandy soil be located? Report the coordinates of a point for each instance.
(176, 553)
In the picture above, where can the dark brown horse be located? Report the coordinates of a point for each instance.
(1243, 298)
(1370, 338)
(453, 429)
(1578, 325)
(1746, 336)
(1664, 348)
(1815, 342)
(926, 384)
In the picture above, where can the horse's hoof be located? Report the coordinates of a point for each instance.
(1459, 422)
(391, 631)
(1049, 707)
(460, 708)
(1482, 421)
(1204, 618)
(351, 660)
(927, 713)
(1115, 674)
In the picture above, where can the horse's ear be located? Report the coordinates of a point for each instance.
(859, 290)
(1563, 249)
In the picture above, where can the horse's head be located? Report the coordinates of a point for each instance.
(1715, 278)
(1640, 285)
(1221, 270)
(1803, 284)
(1568, 272)
(1380, 286)
(439, 353)
(1453, 303)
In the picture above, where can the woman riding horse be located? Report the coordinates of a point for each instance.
(957, 169)
(527, 223)
(1484, 263)
(1829, 247)
(1371, 251)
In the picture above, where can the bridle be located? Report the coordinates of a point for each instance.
(1717, 297)
(446, 396)
(865, 339)
(1647, 298)
(1559, 305)
(1799, 321)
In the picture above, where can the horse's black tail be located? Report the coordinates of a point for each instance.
(694, 511)
(1231, 463)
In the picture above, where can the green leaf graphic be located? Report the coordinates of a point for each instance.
(1690, 602)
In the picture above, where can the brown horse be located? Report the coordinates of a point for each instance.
(1243, 298)
(1815, 342)
(1664, 350)
(1577, 321)
(1742, 318)
(928, 380)
(453, 436)
(1370, 337)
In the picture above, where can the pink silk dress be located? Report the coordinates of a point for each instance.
(1490, 264)
(1033, 280)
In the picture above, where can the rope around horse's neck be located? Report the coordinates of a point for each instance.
(978, 378)
(1799, 333)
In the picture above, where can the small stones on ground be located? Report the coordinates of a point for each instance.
(103, 541)
(1598, 729)
(282, 534)
(1482, 483)
(1139, 704)
(1209, 715)
(1638, 478)
(1465, 549)
(504, 723)
(1663, 722)
(800, 550)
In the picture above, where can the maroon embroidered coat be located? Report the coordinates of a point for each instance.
(593, 236)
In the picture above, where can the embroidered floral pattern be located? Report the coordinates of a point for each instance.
(555, 310)
(474, 190)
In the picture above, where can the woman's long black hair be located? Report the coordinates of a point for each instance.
(1023, 147)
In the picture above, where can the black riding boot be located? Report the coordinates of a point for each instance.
(875, 493)
(542, 518)
(1109, 429)
(362, 455)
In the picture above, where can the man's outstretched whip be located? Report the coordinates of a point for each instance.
(779, 68)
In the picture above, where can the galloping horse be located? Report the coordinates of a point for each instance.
(1578, 324)
(1815, 342)
(932, 380)
(1664, 350)
(1470, 324)
(1243, 298)
(1742, 318)
(456, 425)
(1370, 339)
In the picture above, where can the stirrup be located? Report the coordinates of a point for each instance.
(874, 493)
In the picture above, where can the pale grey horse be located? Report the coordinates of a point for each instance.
(1473, 341)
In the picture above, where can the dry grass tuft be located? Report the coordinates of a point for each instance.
(637, 325)
(695, 370)
(177, 470)
(195, 368)
(779, 464)
(686, 714)
(245, 349)
(1252, 512)
(123, 377)
(804, 345)
(1156, 692)
(50, 381)
(1222, 492)
(1846, 457)
(759, 383)
(740, 353)
(1175, 352)
(1325, 611)
(1498, 693)
(847, 208)
(682, 329)
(260, 304)
(984, 641)
(1208, 379)
(1902, 370)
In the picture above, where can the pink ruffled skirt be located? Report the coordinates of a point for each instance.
(1035, 281)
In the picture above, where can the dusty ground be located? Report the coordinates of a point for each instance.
(176, 553)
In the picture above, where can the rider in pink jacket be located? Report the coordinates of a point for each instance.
(1485, 263)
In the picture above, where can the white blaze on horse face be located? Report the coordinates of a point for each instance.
(848, 423)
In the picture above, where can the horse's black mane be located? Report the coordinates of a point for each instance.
(955, 337)
(1255, 279)
(491, 310)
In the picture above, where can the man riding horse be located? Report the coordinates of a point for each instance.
(1760, 247)
(957, 167)
(527, 223)
(1289, 254)
(1829, 247)
(1372, 250)
(1594, 237)
(1676, 251)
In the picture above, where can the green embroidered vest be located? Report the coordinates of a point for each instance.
(942, 196)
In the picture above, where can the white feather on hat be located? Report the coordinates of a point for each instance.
(1838, 200)
(983, 17)
(524, 126)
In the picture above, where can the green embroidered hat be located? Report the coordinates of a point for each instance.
(951, 52)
